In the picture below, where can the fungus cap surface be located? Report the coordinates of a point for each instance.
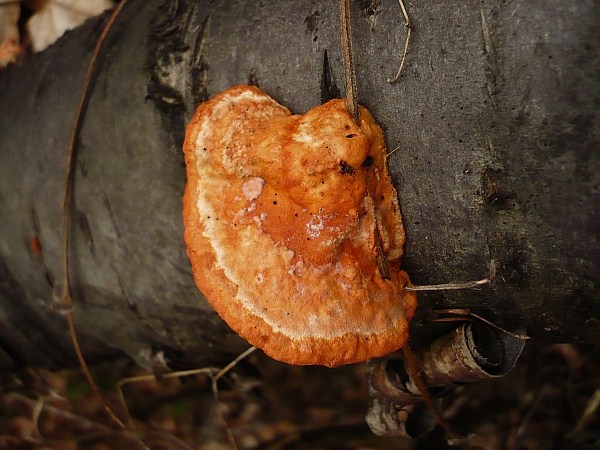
(284, 216)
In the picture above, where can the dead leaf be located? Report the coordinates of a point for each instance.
(55, 17)
(9, 33)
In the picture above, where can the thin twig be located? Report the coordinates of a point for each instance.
(353, 110)
(233, 363)
(67, 299)
(349, 72)
(151, 377)
(408, 25)
(465, 313)
(214, 374)
(455, 286)
(449, 286)
(392, 152)
(215, 391)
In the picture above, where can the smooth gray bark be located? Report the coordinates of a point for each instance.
(495, 117)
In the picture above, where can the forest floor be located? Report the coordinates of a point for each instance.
(549, 401)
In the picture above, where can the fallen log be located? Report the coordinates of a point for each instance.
(495, 120)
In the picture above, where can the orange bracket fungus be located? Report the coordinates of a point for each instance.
(293, 228)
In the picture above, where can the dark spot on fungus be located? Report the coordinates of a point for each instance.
(368, 162)
(345, 168)
(351, 135)
(274, 202)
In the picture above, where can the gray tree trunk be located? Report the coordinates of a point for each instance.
(495, 117)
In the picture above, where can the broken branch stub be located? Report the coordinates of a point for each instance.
(471, 352)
